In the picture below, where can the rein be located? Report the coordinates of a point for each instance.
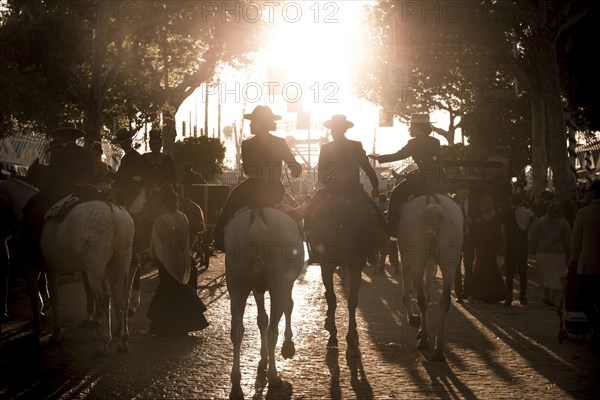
(292, 194)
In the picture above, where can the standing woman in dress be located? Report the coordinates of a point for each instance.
(551, 244)
(175, 308)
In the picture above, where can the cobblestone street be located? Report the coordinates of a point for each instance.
(493, 351)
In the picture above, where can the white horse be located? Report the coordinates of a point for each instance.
(95, 237)
(430, 234)
(264, 251)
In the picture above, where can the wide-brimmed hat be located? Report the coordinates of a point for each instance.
(262, 113)
(339, 121)
(122, 135)
(66, 131)
(417, 118)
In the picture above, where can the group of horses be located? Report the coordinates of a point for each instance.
(265, 252)
(103, 240)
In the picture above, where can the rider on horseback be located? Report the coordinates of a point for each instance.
(262, 157)
(340, 162)
(69, 171)
(132, 171)
(428, 178)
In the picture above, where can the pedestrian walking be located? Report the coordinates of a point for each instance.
(516, 221)
(550, 243)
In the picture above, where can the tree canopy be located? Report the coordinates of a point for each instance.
(498, 68)
(106, 63)
(206, 154)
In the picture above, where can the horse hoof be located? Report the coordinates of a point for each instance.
(275, 381)
(236, 393)
(414, 320)
(332, 343)
(288, 350)
(423, 344)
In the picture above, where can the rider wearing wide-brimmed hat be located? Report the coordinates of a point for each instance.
(132, 171)
(426, 153)
(160, 166)
(69, 163)
(340, 162)
(70, 171)
(262, 159)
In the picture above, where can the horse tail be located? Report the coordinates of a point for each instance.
(123, 229)
(432, 213)
(259, 235)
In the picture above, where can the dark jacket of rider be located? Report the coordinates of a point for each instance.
(424, 150)
(429, 177)
(262, 160)
(70, 165)
(340, 162)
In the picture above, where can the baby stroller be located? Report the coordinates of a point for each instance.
(570, 312)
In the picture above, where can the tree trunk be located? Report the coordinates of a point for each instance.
(562, 178)
(539, 162)
(92, 121)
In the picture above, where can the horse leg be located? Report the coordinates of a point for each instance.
(277, 305)
(355, 272)
(412, 318)
(288, 349)
(44, 295)
(54, 303)
(440, 342)
(102, 300)
(90, 306)
(119, 295)
(134, 297)
(238, 306)
(423, 300)
(327, 271)
(32, 277)
(262, 320)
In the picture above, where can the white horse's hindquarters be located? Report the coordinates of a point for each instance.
(84, 240)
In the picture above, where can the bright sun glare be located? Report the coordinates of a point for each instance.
(318, 52)
(315, 47)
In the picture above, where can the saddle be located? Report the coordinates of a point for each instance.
(61, 208)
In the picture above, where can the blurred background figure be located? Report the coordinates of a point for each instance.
(550, 243)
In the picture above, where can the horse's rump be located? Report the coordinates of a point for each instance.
(430, 225)
(90, 235)
(263, 242)
(344, 228)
